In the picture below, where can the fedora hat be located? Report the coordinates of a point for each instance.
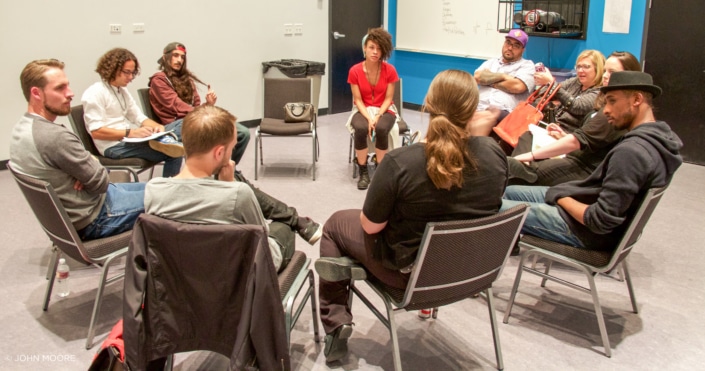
(632, 80)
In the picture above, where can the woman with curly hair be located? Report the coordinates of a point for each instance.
(449, 176)
(111, 114)
(374, 114)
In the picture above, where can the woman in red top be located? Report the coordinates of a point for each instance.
(372, 83)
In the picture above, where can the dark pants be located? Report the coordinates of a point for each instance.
(284, 236)
(549, 172)
(243, 137)
(272, 208)
(343, 236)
(384, 125)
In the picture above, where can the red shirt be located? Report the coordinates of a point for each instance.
(387, 75)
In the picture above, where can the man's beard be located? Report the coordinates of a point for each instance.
(59, 111)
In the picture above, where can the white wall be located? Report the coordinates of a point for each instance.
(226, 43)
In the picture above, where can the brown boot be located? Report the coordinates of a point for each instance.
(364, 181)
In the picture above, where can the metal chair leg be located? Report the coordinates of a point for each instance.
(600, 316)
(51, 275)
(314, 307)
(313, 163)
(104, 280)
(257, 139)
(495, 329)
(628, 278)
(393, 334)
(515, 287)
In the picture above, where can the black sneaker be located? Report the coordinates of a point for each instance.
(337, 343)
(339, 269)
(310, 231)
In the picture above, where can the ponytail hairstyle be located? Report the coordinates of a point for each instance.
(451, 102)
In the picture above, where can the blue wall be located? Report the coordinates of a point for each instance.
(418, 69)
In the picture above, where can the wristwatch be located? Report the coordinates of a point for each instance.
(127, 132)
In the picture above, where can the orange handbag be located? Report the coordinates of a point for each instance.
(525, 113)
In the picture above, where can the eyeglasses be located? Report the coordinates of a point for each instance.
(584, 67)
(513, 45)
(130, 73)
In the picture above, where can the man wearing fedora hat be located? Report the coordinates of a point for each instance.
(173, 93)
(503, 82)
(591, 213)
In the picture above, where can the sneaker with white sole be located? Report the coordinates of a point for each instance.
(309, 230)
(168, 145)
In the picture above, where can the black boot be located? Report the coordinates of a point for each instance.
(364, 181)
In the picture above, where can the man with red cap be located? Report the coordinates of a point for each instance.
(173, 93)
(503, 83)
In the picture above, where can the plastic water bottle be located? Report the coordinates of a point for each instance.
(62, 279)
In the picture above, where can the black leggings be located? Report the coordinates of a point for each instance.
(384, 125)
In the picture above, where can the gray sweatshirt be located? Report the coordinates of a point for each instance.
(53, 153)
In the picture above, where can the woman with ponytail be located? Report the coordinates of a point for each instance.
(449, 176)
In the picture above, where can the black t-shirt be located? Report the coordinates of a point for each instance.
(402, 194)
(596, 137)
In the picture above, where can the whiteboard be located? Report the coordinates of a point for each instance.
(466, 28)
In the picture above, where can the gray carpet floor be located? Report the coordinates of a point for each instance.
(552, 328)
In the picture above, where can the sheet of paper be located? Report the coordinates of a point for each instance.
(617, 16)
(139, 140)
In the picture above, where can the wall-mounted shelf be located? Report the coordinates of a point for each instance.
(544, 18)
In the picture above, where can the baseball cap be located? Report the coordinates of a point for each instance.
(518, 35)
(170, 47)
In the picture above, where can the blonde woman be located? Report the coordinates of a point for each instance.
(576, 96)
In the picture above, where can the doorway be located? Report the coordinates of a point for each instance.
(674, 44)
(348, 23)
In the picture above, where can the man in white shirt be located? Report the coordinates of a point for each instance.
(503, 83)
(111, 114)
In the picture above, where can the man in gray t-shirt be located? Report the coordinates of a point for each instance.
(194, 196)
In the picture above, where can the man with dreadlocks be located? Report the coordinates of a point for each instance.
(173, 93)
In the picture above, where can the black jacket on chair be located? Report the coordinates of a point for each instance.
(202, 287)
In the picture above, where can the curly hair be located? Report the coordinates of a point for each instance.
(33, 74)
(112, 62)
(383, 39)
(451, 102)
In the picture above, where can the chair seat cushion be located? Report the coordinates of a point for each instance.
(100, 248)
(594, 258)
(129, 162)
(279, 127)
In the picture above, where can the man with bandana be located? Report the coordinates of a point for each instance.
(173, 93)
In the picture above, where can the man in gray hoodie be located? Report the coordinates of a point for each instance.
(591, 213)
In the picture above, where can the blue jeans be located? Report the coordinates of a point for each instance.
(172, 165)
(124, 202)
(543, 220)
(243, 137)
